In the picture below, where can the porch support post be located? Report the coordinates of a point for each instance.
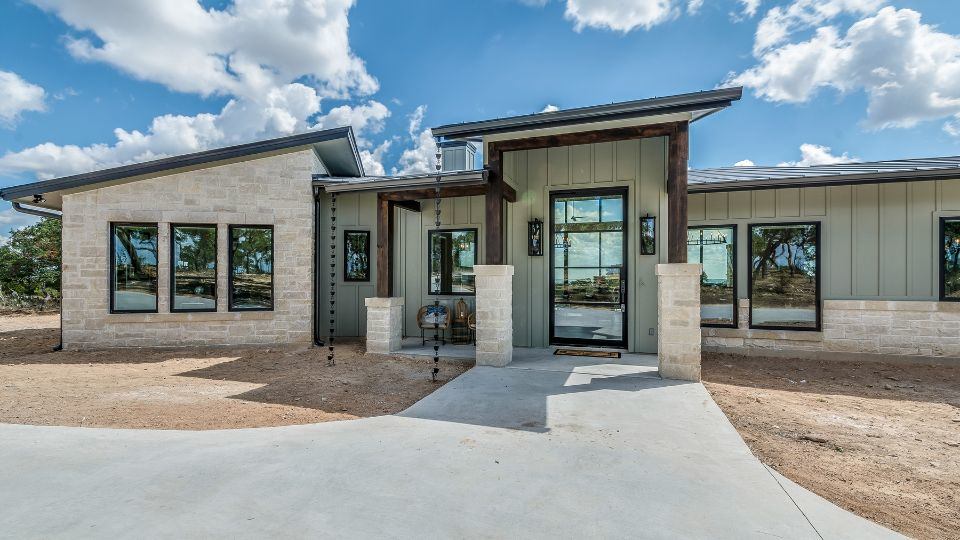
(384, 324)
(493, 224)
(494, 284)
(678, 321)
(384, 247)
(677, 158)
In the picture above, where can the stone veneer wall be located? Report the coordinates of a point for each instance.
(678, 321)
(852, 328)
(272, 190)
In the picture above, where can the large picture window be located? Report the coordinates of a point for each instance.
(785, 276)
(251, 267)
(193, 268)
(133, 268)
(452, 257)
(715, 248)
(950, 259)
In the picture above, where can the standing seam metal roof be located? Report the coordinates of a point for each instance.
(731, 178)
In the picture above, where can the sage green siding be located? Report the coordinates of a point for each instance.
(410, 251)
(638, 165)
(878, 241)
(356, 212)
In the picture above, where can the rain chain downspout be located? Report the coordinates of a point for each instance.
(331, 359)
(436, 299)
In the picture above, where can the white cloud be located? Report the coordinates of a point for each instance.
(693, 6)
(550, 108)
(277, 59)
(744, 163)
(17, 96)
(750, 7)
(11, 220)
(241, 50)
(622, 15)
(910, 71)
(815, 154)
(421, 157)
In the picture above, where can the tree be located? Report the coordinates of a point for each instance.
(30, 261)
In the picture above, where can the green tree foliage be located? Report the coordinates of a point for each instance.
(30, 261)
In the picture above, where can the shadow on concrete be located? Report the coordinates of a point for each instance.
(358, 385)
(863, 379)
(521, 397)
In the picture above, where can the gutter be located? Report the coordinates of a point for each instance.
(33, 211)
(815, 181)
(399, 183)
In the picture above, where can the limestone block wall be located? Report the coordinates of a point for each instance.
(853, 328)
(271, 190)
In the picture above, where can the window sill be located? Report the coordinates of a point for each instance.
(199, 316)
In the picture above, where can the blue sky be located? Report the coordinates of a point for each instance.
(868, 79)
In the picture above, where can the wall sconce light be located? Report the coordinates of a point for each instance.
(648, 235)
(535, 238)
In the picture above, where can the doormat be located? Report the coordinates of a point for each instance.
(580, 352)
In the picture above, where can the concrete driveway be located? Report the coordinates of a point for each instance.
(553, 447)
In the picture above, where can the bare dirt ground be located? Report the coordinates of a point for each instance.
(881, 440)
(198, 388)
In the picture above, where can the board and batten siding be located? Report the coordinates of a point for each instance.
(410, 252)
(640, 166)
(356, 211)
(878, 241)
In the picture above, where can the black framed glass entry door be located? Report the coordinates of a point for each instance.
(588, 298)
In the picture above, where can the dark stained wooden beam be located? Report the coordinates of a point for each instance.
(493, 205)
(509, 194)
(413, 206)
(677, 158)
(384, 247)
(430, 193)
(585, 137)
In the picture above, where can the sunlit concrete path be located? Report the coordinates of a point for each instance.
(549, 447)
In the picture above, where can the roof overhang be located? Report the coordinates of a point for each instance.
(696, 105)
(336, 148)
(400, 183)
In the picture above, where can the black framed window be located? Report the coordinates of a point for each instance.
(193, 268)
(715, 247)
(251, 268)
(452, 255)
(133, 267)
(785, 276)
(950, 259)
(356, 255)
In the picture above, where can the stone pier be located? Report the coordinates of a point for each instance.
(494, 314)
(384, 324)
(678, 321)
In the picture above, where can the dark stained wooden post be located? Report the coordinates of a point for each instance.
(384, 247)
(678, 155)
(493, 223)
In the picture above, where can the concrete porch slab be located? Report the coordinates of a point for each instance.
(565, 450)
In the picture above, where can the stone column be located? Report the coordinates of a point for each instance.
(678, 321)
(494, 314)
(384, 324)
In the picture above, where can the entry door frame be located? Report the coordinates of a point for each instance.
(624, 193)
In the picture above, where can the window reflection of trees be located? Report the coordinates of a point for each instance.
(784, 270)
(951, 259)
(252, 268)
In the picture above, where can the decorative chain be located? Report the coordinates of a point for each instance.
(331, 359)
(436, 299)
